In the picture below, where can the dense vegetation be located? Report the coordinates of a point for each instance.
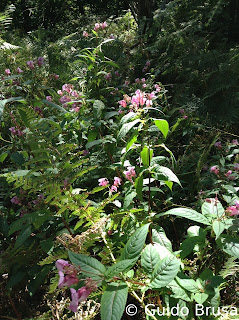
(119, 159)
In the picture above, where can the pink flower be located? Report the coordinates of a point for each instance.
(236, 166)
(7, 72)
(143, 80)
(104, 25)
(229, 172)
(30, 64)
(181, 111)
(19, 70)
(157, 87)
(40, 61)
(117, 73)
(48, 98)
(148, 63)
(123, 103)
(67, 273)
(78, 296)
(218, 144)
(85, 34)
(108, 76)
(103, 182)
(234, 141)
(60, 92)
(137, 80)
(145, 69)
(215, 169)
(233, 210)
(113, 188)
(56, 76)
(117, 181)
(97, 26)
(149, 103)
(13, 130)
(130, 173)
(75, 94)
(185, 117)
(16, 200)
(64, 99)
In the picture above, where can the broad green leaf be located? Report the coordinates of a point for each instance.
(191, 244)
(187, 283)
(164, 272)
(128, 117)
(162, 251)
(98, 108)
(120, 266)
(162, 126)
(166, 172)
(146, 156)
(18, 158)
(229, 244)
(212, 209)
(178, 292)
(126, 128)
(15, 279)
(159, 236)
(3, 156)
(129, 198)
(135, 244)
(132, 140)
(113, 301)
(139, 186)
(218, 227)
(89, 266)
(23, 236)
(186, 213)
(149, 258)
(200, 297)
(92, 135)
(93, 143)
(110, 114)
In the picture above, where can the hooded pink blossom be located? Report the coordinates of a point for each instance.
(97, 26)
(30, 64)
(103, 182)
(233, 210)
(215, 169)
(67, 273)
(7, 72)
(85, 34)
(48, 98)
(104, 25)
(130, 173)
(40, 61)
(19, 70)
(78, 296)
(123, 103)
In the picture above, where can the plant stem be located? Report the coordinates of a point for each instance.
(107, 246)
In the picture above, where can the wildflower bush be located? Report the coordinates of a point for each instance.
(91, 201)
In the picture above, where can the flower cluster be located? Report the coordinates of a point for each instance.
(68, 94)
(16, 200)
(104, 182)
(138, 100)
(16, 132)
(68, 277)
(215, 170)
(130, 173)
(102, 26)
(233, 210)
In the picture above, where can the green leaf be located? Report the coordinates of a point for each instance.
(88, 265)
(164, 272)
(3, 156)
(162, 126)
(166, 172)
(187, 283)
(178, 291)
(139, 186)
(120, 266)
(18, 158)
(98, 107)
(218, 227)
(15, 279)
(146, 156)
(132, 140)
(92, 135)
(23, 236)
(5, 101)
(229, 244)
(212, 209)
(149, 258)
(200, 297)
(135, 244)
(186, 213)
(126, 128)
(113, 301)
(191, 244)
(129, 198)
(159, 236)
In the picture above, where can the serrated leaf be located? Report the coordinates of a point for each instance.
(135, 244)
(178, 291)
(129, 116)
(89, 266)
(113, 301)
(229, 244)
(166, 172)
(149, 258)
(162, 126)
(186, 213)
(126, 128)
(98, 107)
(218, 227)
(159, 236)
(164, 272)
(120, 266)
(187, 283)
(213, 208)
